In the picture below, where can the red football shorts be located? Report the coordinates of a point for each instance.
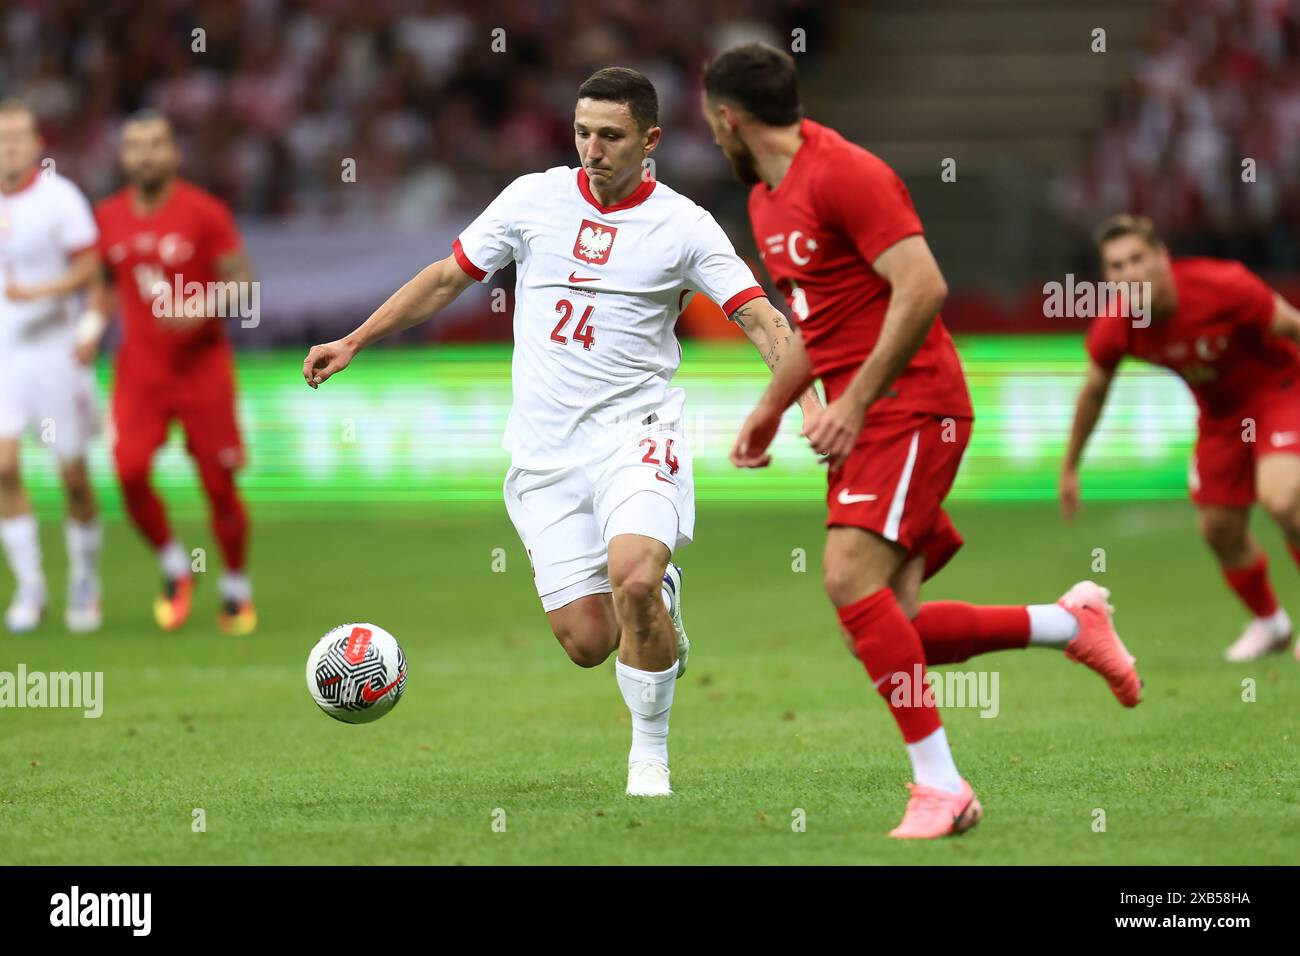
(203, 400)
(1228, 450)
(895, 480)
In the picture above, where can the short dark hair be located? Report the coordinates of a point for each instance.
(149, 115)
(1126, 224)
(760, 79)
(618, 84)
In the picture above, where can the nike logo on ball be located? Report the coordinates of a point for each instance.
(370, 695)
(847, 499)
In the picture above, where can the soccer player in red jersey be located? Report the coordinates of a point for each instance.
(157, 235)
(1233, 340)
(839, 235)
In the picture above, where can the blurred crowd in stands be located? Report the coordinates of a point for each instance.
(439, 102)
(1217, 85)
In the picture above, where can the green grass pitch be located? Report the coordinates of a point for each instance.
(775, 717)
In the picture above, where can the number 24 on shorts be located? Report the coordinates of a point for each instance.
(669, 458)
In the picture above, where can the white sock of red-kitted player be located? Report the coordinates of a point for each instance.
(174, 560)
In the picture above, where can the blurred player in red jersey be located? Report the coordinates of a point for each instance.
(839, 235)
(1233, 340)
(158, 234)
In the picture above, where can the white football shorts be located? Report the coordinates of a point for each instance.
(52, 395)
(567, 516)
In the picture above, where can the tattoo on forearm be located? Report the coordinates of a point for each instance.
(775, 351)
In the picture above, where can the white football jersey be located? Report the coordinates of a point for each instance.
(598, 292)
(42, 226)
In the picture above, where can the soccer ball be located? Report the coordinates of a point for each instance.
(356, 673)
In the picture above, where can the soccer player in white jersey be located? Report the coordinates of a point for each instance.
(600, 486)
(47, 254)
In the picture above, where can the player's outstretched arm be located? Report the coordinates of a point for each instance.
(791, 379)
(917, 293)
(772, 335)
(431, 290)
(1087, 411)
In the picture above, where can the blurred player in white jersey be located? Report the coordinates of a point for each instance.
(600, 486)
(47, 255)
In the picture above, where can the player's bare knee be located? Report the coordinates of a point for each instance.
(636, 597)
(1283, 507)
(76, 480)
(11, 482)
(586, 649)
(846, 582)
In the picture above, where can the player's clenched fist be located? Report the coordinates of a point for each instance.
(835, 431)
(324, 360)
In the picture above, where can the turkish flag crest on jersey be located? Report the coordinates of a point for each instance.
(594, 242)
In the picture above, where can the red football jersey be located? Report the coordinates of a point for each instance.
(182, 241)
(1217, 338)
(837, 209)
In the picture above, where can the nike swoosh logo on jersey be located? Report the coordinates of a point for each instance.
(847, 499)
(574, 277)
(1284, 438)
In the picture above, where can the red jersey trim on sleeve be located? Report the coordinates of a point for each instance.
(462, 260)
(740, 298)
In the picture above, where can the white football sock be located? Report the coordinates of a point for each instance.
(173, 559)
(22, 546)
(235, 586)
(1051, 625)
(1278, 623)
(83, 539)
(932, 764)
(649, 697)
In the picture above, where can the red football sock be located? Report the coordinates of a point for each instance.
(143, 504)
(1251, 585)
(229, 517)
(952, 631)
(890, 649)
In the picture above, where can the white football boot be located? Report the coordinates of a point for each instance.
(25, 611)
(83, 614)
(646, 778)
(673, 581)
(1259, 639)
